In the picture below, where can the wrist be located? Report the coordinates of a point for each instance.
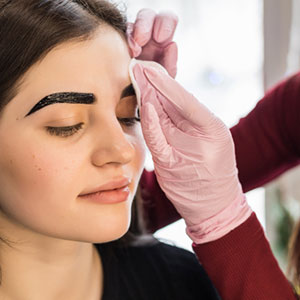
(218, 225)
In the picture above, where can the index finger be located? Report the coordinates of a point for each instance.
(179, 99)
(143, 26)
(164, 26)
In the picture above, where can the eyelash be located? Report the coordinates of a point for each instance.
(71, 130)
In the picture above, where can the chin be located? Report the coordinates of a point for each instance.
(115, 232)
(110, 228)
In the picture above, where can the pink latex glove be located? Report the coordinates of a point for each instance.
(150, 38)
(193, 155)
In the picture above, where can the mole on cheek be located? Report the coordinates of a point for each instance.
(37, 167)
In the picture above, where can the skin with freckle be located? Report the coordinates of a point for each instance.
(41, 174)
(64, 68)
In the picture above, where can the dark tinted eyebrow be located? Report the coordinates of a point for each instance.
(128, 91)
(73, 97)
(64, 97)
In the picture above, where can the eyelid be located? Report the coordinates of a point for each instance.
(68, 131)
(72, 118)
(64, 131)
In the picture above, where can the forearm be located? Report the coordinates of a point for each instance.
(267, 140)
(242, 266)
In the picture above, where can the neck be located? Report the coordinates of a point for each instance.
(52, 270)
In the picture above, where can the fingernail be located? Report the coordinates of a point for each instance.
(134, 47)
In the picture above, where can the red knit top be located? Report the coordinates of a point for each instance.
(267, 143)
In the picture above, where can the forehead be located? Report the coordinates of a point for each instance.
(80, 65)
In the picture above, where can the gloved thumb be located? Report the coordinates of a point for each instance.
(182, 107)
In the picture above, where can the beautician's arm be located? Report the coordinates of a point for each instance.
(227, 239)
(267, 140)
(267, 143)
(242, 266)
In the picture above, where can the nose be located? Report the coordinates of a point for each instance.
(113, 145)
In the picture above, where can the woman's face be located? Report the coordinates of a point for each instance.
(42, 174)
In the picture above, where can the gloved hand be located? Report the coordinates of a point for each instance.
(150, 38)
(193, 155)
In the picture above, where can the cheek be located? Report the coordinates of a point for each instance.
(140, 146)
(39, 186)
(35, 180)
(136, 166)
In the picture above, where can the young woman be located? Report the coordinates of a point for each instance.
(267, 143)
(71, 156)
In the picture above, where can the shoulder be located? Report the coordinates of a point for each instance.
(167, 268)
(165, 253)
(180, 264)
(169, 255)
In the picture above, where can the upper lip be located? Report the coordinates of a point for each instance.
(111, 185)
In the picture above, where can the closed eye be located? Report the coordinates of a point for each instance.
(71, 130)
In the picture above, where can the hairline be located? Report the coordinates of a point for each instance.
(15, 90)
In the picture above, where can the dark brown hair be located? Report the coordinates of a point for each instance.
(29, 29)
(294, 258)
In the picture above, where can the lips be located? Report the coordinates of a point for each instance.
(111, 185)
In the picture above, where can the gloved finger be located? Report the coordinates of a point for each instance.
(166, 109)
(184, 102)
(146, 93)
(177, 119)
(153, 134)
(140, 74)
(164, 27)
(134, 48)
(142, 31)
(174, 129)
(161, 136)
(169, 59)
(141, 85)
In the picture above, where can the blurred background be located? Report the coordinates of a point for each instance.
(230, 52)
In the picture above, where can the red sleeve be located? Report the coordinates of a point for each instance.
(242, 267)
(158, 211)
(267, 143)
(267, 140)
